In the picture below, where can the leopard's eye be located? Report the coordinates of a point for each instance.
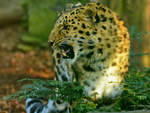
(67, 51)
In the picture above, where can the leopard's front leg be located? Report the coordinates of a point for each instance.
(34, 105)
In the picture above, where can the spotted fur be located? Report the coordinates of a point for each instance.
(89, 44)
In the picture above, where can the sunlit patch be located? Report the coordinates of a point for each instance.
(108, 86)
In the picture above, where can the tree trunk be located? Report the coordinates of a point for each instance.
(146, 41)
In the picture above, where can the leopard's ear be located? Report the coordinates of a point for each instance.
(91, 16)
(93, 12)
(89, 13)
(70, 6)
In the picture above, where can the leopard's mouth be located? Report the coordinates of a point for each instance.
(67, 51)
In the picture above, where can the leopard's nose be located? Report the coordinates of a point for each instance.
(67, 51)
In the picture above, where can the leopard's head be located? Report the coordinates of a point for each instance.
(65, 50)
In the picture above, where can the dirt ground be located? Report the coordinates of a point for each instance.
(15, 65)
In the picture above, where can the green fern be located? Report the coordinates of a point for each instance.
(135, 95)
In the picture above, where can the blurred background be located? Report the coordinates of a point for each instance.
(24, 29)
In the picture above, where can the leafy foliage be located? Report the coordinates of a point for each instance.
(49, 89)
(56, 90)
(135, 95)
(136, 36)
(39, 19)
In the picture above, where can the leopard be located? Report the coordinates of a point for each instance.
(89, 44)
